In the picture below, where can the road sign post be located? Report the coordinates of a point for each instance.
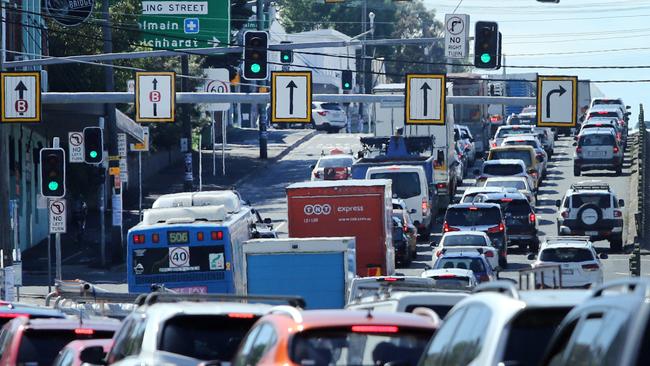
(456, 35)
(155, 96)
(557, 97)
(57, 216)
(291, 95)
(21, 97)
(425, 99)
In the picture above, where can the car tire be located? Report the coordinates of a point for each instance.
(534, 247)
(619, 171)
(589, 206)
(424, 235)
(576, 171)
(407, 256)
(503, 262)
(616, 243)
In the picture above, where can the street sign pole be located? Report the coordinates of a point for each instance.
(49, 263)
(57, 244)
(223, 142)
(188, 177)
(214, 141)
(140, 184)
(261, 107)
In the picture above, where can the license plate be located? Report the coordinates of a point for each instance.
(597, 153)
(567, 271)
(591, 233)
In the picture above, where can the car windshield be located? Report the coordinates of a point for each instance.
(522, 155)
(405, 184)
(603, 114)
(529, 335)
(337, 162)
(530, 143)
(441, 310)
(502, 169)
(513, 131)
(472, 263)
(359, 345)
(522, 121)
(205, 337)
(464, 240)
(601, 139)
(41, 346)
(452, 282)
(566, 255)
(607, 102)
(473, 216)
(518, 184)
(512, 207)
(331, 107)
(600, 200)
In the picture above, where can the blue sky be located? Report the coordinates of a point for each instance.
(589, 28)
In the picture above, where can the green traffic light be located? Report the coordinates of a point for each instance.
(285, 57)
(256, 68)
(485, 58)
(93, 154)
(346, 85)
(53, 186)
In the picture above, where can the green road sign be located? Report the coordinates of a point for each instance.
(177, 24)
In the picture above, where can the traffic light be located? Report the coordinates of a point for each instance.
(286, 56)
(486, 46)
(52, 172)
(93, 145)
(255, 55)
(346, 80)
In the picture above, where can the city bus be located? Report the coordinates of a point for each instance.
(190, 243)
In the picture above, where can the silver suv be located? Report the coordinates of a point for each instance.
(590, 208)
(598, 148)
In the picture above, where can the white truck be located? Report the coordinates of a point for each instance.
(319, 270)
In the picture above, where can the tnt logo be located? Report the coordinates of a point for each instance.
(21, 106)
(154, 96)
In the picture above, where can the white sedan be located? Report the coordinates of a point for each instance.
(463, 241)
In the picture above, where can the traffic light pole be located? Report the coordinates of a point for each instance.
(188, 180)
(261, 108)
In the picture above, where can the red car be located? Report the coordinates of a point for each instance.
(71, 354)
(9, 310)
(26, 341)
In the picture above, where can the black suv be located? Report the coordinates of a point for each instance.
(609, 328)
(521, 220)
(485, 217)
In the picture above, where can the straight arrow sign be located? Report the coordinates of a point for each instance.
(21, 88)
(425, 99)
(425, 88)
(291, 87)
(291, 97)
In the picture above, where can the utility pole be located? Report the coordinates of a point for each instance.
(188, 180)
(364, 11)
(261, 108)
(5, 242)
(111, 133)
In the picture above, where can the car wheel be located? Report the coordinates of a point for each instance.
(424, 234)
(534, 247)
(576, 171)
(503, 262)
(619, 171)
(616, 243)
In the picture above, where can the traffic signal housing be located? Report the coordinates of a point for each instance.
(52, 172)
(286, 56)
(255, 55)
(346, 80)
(93, 145)
(487, 52)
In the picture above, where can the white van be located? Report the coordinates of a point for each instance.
(409, 184)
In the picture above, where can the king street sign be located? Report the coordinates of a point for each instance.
(178, 24)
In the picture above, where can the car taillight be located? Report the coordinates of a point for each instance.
(441, 185)
(155, 238)
(405, 229)
(482, 177)
(446, 228)
(375, 329)
(316, 175)
(497, 229)
(615, 149)
(216, 235)
(532, 218)
(425, 206)
(590, 267)
(484, 278)
(578, 150)
(565, 214)
(84, 331)
(389, 279)
(241, 315)
(438, 253)
(12, 315)
(322, 113)
(199, 236)
(534, 174)
(493, 144)
(138, 239)
(506, 200)
(618, 213)
(489, 254)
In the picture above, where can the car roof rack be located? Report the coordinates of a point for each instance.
(501, 286)
(536, 278)
(567, 238)
(162, 297)
(293, 312)
(590, 185)
(638, 286)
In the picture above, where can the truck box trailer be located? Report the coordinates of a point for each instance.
(319, 270)
(358, 208)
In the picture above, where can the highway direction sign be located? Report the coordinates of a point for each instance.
(57, 208)
(21, 96)
(76, 147)
(218, 81)
(425, 99)
(556, 101)
(178, 24)
(456, 35)
(291, 96)
(155, 96)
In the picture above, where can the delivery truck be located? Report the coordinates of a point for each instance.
(358, 208)
(320, 270)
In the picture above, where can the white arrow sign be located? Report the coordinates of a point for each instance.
(21, 97)
(155, 96)
(456, 35)
(291, 96)
(556, 101)
(425, 99)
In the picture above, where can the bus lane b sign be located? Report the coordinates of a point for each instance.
(57, 210)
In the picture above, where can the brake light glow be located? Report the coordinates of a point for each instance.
(615, 149)
(199, 236)
(602, 112)
(578, 150)
(84, 331)
(473, 208)
(506, 200)
(155, 238)
(241, 315)
(590, 267)
(425, 206)
(375, 329)
(388, 279)
(138, 239)
(438, 253)
(441, 185)
(489, 254)
(316, 175)
(532, 218)
(446, 228)
(493, 144)
(565, 214)
(484, 278)
(496, 229)
(216, 235)
(618, 213)
(12, 315)
(446, 275)
(405, 229)
(322, 113)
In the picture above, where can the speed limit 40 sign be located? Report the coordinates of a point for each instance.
(179, 257)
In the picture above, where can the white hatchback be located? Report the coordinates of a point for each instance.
(575, 255)
(464, 241)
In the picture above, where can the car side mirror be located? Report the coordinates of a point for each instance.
(628, 107)
(476, 172)
(621, 203)
(603, 256)
(575, 143)
(531, 256)
(558, 203)
(628, 113)
(312, 166)
(93, 355)
(540, 158)
(412, 211)
(268, 221)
